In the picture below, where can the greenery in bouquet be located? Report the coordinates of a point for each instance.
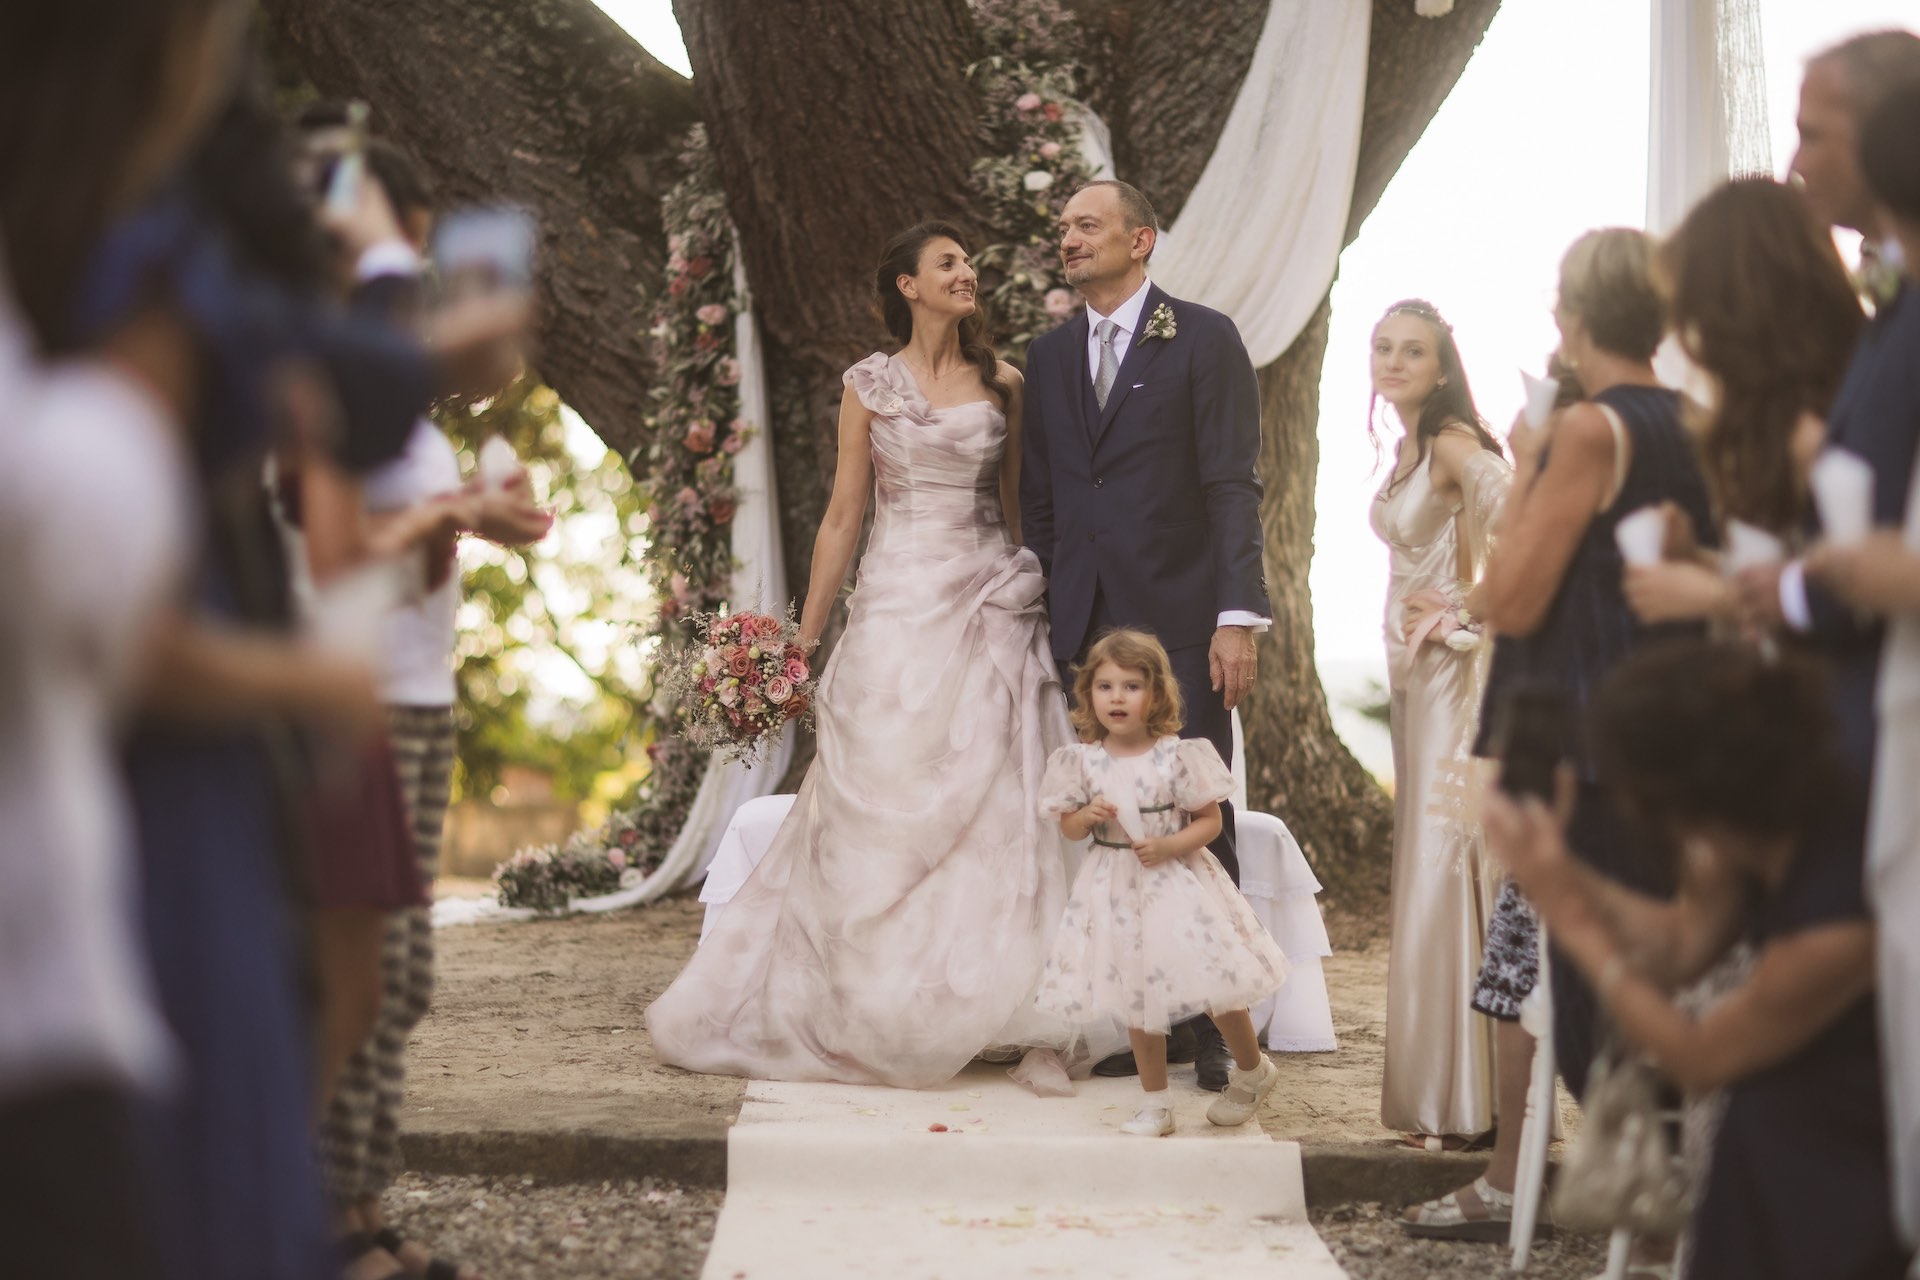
(1033, 163)
(736, 687)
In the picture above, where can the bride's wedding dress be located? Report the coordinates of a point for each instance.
(900, 921)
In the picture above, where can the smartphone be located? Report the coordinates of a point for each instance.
(484, 249)
(1529, 734)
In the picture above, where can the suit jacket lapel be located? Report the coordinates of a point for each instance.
(1074, 370)
(1141, 351)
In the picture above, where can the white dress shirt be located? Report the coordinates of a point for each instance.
(1127, 317)
(94, 525)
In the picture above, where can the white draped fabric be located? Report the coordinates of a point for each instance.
(1260, 234)
(759, 582)
(1708, 116)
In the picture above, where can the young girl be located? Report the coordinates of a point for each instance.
(1155, 933)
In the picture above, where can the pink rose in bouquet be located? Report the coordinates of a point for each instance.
(765, 627)
(796, 706)
(796, 670)
(779, 689)
(739, 682)
(739, 664)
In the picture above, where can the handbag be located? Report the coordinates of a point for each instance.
(1623, 1171)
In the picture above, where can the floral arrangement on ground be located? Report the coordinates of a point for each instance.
(618, 854)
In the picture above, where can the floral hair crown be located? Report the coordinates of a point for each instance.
(1425, 310)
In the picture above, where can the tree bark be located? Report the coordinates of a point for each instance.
(551, 105)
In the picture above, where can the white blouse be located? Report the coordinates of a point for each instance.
(93, 529)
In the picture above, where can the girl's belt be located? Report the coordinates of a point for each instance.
(1110, 844)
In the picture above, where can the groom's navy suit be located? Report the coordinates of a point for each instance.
(1147, 513)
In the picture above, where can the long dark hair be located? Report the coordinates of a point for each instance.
(1450, 405)
(1761, 302)
(79, 83)
(901, 257)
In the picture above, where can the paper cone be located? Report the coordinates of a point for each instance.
(1642, 535)
(1541, 393)
(1748, 547)
(1842, 485)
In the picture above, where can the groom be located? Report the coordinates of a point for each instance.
(1138, 486)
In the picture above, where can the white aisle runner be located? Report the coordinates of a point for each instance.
(983, 1179)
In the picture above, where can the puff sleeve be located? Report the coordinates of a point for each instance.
(1064, 787)
(1200, 776)
(874, 381)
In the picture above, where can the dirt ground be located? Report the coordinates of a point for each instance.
(537, 1026)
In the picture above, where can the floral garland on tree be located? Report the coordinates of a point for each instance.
(1029, 85)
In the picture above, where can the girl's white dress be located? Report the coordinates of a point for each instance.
(1150, 946)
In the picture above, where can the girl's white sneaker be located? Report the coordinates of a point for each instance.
(1152, 1122)
(1241, 1099)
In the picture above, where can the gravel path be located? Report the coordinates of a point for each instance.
(522, 1229)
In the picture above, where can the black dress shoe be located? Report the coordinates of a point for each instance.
(1184, 1041)
(1120, 1064)
(1211, 1062)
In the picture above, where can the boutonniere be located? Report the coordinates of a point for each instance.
(1160, 324)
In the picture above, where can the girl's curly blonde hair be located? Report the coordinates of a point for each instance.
(1129, 650)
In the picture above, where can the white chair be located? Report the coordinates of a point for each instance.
(1280, 887)
(1536, 1016)
(742, 845)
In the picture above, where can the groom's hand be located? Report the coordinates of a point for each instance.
(1230, 661)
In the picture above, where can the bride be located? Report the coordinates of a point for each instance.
(899, 922)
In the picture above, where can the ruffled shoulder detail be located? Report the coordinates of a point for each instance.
(883, 386)
(1064, 787)
(1200, 776)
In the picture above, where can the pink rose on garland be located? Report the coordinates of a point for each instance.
(712, 313)
(1027, 102)
(699, 267)
(728, 374)
(616, 859)
(687, 499)
(1053, 112)
(699, 437)
(779, 689)
(1049, 151)
(720, 510)
(1059, 303)
(739, 431)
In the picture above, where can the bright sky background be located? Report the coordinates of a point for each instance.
(1544, 138)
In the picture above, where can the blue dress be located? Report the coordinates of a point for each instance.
(239, 1194)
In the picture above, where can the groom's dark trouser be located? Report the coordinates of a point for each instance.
(1206, 714)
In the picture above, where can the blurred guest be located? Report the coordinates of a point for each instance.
(1873, 411)
(1435, 512)
(1731, 757)
(361, 1129)
(98, 101)
(1553, 586)
(1763, 306)
(1881, 577)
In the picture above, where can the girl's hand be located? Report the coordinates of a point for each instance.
(1097, 810)
(1155, 850)
(1879, 575)
(1675, 590)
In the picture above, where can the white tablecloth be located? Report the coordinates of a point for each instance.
(1273, 874)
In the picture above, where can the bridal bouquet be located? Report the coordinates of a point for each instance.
(740, 683)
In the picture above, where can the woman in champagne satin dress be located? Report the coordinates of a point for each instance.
(900, 921)
(1434, 512)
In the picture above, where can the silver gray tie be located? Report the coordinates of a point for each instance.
(1109, 362)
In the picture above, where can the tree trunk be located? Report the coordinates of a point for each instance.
(546, 103)
(835, 123)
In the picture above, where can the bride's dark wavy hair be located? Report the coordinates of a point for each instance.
(901, 257)
(1450, 405)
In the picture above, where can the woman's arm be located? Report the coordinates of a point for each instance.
(1801, 983)
(1547, 513)
(839, 532)
(1880, 574)
(198, 673)
(1010, 464)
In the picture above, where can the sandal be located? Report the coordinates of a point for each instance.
(1473, 1212)
(355, 1245)
(437, 1268)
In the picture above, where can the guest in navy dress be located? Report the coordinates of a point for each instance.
(1732, 755)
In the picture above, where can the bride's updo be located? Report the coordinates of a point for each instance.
(901, 257)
